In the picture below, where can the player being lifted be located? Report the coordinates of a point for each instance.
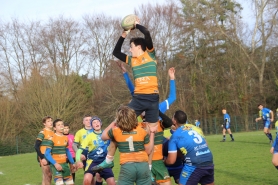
(143, 64)
(159, 172)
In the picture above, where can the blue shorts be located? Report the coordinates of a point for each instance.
(194, 175)
(226, 126)
(267, 124)
(105, 173)
(148, 103)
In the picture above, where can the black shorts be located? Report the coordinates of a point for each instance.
(148, 103)
(38, 159)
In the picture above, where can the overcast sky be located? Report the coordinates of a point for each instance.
(44, 9)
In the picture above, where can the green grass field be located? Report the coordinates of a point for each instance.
(247, 161)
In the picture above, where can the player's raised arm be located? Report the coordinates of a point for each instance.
(117, 50)
(104, 135)
(146, 32)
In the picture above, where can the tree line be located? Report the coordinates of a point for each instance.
(65, 68)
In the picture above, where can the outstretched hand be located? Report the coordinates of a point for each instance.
(171, 73)
(137, 21)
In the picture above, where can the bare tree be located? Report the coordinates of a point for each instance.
(102, 33)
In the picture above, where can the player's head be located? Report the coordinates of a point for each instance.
(47, 121)
(179, 118)
(260, 106)
(58, 125)
(96, 123)
(224, 111)
(126, 118)
(66, 128)
(87, 121)
(137, 45)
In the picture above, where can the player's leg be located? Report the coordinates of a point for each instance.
(160, 173)
(128, 174)
(266, 130)
(67, 177)
(99, 180)
(47, 176)
(275, 159)
(108, 175)
(188, 176)
(151, 116)
(224, 133)
(231, 135)
(109, 160)
(89, 174)
(207, 175)
(57, 175)
(142, 175)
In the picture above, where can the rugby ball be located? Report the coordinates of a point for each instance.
(128, 22)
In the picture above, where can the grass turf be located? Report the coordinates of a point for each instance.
(247, 161)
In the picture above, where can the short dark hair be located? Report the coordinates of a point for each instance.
(260, 105)
(66, 125)
(55, 121)
(46, 118)
(180, 117)
(139, 41)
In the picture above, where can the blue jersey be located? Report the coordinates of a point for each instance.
(275, 144)
(190, 140)
(266, 114)
(227, 119)
(197, 123)
(97, 148)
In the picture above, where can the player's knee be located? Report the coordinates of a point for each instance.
(275, 163)
(69, 182)
(59, 182)
(87, 181)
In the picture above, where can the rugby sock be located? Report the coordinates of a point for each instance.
(109, 159)
(267, 135)
(276, 167)
(270, 136)
(98, 183)
(231, 135)
(73, 176)
(224, 137)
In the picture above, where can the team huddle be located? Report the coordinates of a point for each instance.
(146, 156)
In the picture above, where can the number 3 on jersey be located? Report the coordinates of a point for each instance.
(197, 138)
(130, 143)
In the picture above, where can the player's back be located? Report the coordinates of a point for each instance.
(191, 141)
(131, 144)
